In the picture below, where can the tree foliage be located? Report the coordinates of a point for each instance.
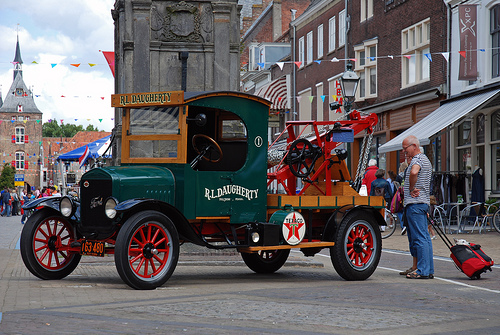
(53, 129)
(7, 176)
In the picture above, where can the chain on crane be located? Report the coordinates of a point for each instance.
(363, 160)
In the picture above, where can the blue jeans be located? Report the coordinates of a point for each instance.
(419, 238)
(7, 210)
(400, 217)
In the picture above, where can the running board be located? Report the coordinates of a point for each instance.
(277, 247)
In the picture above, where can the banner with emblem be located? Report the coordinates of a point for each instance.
(467, 16)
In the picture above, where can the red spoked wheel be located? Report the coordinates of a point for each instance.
(45, 243)
(358, 247)
(147, 250)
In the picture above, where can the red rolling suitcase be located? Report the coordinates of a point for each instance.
(468, 257)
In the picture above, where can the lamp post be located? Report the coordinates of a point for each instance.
(349, 84)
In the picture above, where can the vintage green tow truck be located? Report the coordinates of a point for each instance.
(197, 168)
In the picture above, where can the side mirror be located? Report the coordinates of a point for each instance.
(200, 120)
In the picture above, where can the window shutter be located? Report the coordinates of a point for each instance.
(25, 138)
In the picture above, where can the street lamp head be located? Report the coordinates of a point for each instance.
(349, 82)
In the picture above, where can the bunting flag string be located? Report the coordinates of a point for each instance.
(109, 56)
(446, 56)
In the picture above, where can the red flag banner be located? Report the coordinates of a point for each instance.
(467, 16)
(110, 58)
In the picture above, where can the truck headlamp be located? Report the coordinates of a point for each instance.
(66, 207)
(109, 207)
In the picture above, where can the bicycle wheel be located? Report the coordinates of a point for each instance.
(496, 220)
(390, 228)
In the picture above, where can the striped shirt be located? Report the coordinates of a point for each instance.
(423, 181)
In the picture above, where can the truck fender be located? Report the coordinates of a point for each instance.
(129, 207)
(52, 202)
(339, 214)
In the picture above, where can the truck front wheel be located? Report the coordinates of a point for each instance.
(266, 261)
(358, 246)
(147, 250)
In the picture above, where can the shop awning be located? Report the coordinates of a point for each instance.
(441, 118)
(276, 92)
(96, 148)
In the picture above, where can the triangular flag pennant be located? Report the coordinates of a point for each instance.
(37, 121)
(76, 120)
(311, 98)
(280, 64)
(318, 61)
(62, 96)
(34, 62)
(102, 98)
(372, 58)
(100, 120)
(334, 97)
(429, 57)
(323, 98)
(298, 99)
(62, 121)
(353, 59)
(261, 65)
(75, 65)
(334, 59)
(91, 65)
(483, 50)
(298, 64)
(391, 56)
(408, 56)
(462, 53)
(110, 58)
(53, 65)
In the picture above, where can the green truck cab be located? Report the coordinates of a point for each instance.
(196, 168)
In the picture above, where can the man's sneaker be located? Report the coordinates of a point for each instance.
(403, 231)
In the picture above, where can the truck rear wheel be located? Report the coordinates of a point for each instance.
(266, 261)
(45, 240)
(147, 250)
(358, 246)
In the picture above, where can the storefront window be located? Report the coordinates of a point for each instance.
(464, 133)
(480, 128)
(464, 160)
(495, 126)
(495, 162)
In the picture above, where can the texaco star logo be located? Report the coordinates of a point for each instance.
(294, 228)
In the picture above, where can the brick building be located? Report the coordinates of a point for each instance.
(391, 45)
(21, 128)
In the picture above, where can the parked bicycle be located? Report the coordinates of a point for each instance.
(392, 221)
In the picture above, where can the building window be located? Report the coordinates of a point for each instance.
(415, 45)
(495, 41)
(331, 34)
(19, 160)
(253, 57)
(366, 9)
(309, 47)
(342, 28)
(464, 133)
(320, 41)
(366, 68)
(301, 51)
(19, 135)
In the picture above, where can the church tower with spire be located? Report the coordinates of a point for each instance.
(20, 129)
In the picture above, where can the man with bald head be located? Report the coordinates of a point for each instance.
(416, 201)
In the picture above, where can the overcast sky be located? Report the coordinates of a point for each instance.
(62, 33)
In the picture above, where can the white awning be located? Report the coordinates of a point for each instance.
(276, 92)
(441, 118)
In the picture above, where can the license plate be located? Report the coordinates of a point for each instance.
(93, 248)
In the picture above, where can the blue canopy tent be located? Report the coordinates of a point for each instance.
(96, 149)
